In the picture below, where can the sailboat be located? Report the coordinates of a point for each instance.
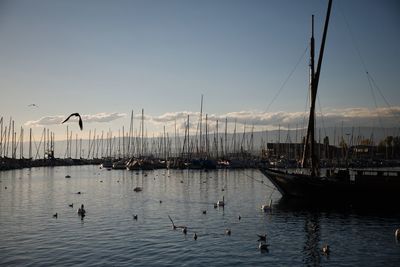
(354, 186)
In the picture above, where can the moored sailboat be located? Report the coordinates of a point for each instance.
(355, 186)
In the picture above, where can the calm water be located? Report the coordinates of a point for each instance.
(108, 236)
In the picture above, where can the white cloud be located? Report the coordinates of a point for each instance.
(57, 119)
(357, 116)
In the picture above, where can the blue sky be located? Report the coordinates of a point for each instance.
(111, 57)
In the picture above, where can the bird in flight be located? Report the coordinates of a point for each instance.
(80, 119)
(33, 105)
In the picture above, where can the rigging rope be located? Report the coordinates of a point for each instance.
(261, 182)
(287, 79)
(369, 77)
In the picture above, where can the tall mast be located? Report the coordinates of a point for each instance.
(1, 137)
(188, 137)
(201, 118)
(314, 80)
(141, 146)
(226, 137)
(206, 141)
(217, 139)
(30, 143)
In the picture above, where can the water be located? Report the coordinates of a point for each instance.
(108, 235)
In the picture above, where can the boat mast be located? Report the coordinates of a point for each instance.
(201, 123)
(314, 80)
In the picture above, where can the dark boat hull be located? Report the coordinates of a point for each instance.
(361, 188)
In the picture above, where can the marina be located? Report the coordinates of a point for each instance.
(250, 152)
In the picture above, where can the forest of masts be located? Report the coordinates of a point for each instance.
(128, 143)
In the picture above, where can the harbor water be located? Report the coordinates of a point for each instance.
(109, 235)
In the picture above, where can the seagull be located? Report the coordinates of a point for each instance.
(137, 189)
(82, 211)
(135, 217)
(263, 246)
(221, 203)
(71, 205)
(33, 105)
(262, 237)
(80, 119)
(325, 249)
(184, 230)
(228, 231)
(195, 236)
(55, 215)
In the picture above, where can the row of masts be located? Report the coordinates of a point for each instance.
(11, 142)
(205, 144)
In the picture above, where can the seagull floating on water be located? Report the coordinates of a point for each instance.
(71, 205)
(135, 217)
(263, 246)
(228, 231)
(55, 215)
(262, 237)
(266, 208)
(77, 115)
(221, 203)
(195, 236)
(325, 249)
(137, 189)
(82, 211)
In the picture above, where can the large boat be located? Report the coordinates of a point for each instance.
(353, 186)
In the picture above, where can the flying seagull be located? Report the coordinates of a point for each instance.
(33, 105)
(80, 119)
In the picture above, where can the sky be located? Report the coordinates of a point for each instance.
(249, 60)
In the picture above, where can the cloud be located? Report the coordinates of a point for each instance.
(103, 117)
(48, 120)
(54, 120)
(356, 116)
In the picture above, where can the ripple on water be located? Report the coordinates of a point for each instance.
(108, 235)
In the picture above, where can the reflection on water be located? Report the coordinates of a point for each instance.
(311, 250)
(108, 235)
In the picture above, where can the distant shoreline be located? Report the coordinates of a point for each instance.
(12, 164)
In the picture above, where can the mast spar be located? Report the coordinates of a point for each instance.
(314, 80)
